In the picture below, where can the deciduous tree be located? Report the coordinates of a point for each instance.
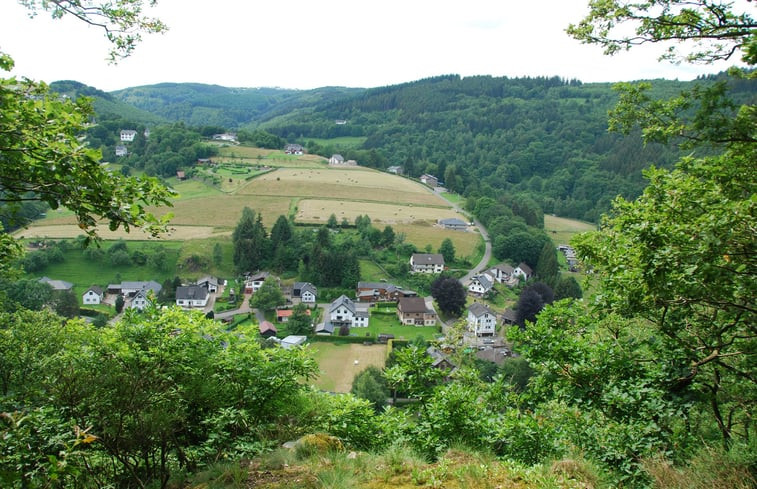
(449, 294)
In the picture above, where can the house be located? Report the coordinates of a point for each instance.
(381, 292)
(181, 175)
(454, 224)
(294, 149)
(480, 284)
(210, 283)
(140, 300)
(283, 315)
(253, 282)
(440, 360)
(146, 133)
(414, 311)
(229, 137)
(397, 170)
(305, 291)
(481, 320)
(336, 159)
(121, 150)
(430, 180)
(191, 296)
(427, 263)
(350, 163)
(57, 284)
(523, 270)
(293, 340)
(93, 295)
(340, 122)
(502, 273)
(128, 135)
(267, 329)
(344, 312)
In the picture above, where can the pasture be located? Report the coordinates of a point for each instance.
(345, 184)
(269, 157)
(318, 210)
(341, 142)
(562, 229)
(337, 363)
(422, 234)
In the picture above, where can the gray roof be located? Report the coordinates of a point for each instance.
(525, 268)
(327, 327)
(479, 309)
(345, 301)
(96, 289)
(152, 285)
(191, 292)
(484, 281)
(57, 284)
(452, 221)
(428, 259)
(305, 287)
(504, 267)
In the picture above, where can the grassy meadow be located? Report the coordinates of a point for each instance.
(562, 229)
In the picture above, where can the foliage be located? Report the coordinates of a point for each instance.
(249, 239)
(300, 322)
(568, 287)
(547, 269)
(447, 250)
(449, 294)
(143, 390)
(268, 296)
(371, 386)
(37, 128)
(65, 303)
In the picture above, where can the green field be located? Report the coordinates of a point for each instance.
(386, 323)
(562, 229)
(344, 142)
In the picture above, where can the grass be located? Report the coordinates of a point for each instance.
(344, 142)
(337, 363)
(370, 272)
(562, 229)
(83, 273)
(385, 323)
(422, 234)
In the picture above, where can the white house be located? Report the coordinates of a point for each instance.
(232, 138)
(191, 296)
(254, 282)
(336, 159)
(294, 149)
(210, 283)
(481, 320)
(140, 300)
(427, 263)
(523, 271)
(502, 273)
(430, 180)
(128, 135)
(305, 291)
(480, 284)
(121, 150)
(344, 312)
(93, 295)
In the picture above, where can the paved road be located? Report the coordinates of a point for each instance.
(243, 309)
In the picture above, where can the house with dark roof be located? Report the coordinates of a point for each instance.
(344, 312)
(427, 263)
(454, 224)
(414, 311)
(509, 317)
(93, 295)
(502, 273)
(191, 296)
(430, 180)
(481, 320)
(294, 149)
(254, 281)
(480, 285)
(140, 300)
(381, 292)
(523, 271)
(210, 283)
(305, 291)
(440, 360)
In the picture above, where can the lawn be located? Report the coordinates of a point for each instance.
(340, 363)
(84, 273)
(389, 323)
(422, 234)
(370, 272)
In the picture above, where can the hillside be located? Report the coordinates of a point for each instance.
(212, 105)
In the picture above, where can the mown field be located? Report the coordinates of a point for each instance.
(562, 229)
(313, 210)
(337, 363)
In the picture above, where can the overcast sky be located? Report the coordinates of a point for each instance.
(307, 44)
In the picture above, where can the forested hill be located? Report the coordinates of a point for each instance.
(212, 105)
(546, 138)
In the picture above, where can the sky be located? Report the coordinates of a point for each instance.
(304, 44)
